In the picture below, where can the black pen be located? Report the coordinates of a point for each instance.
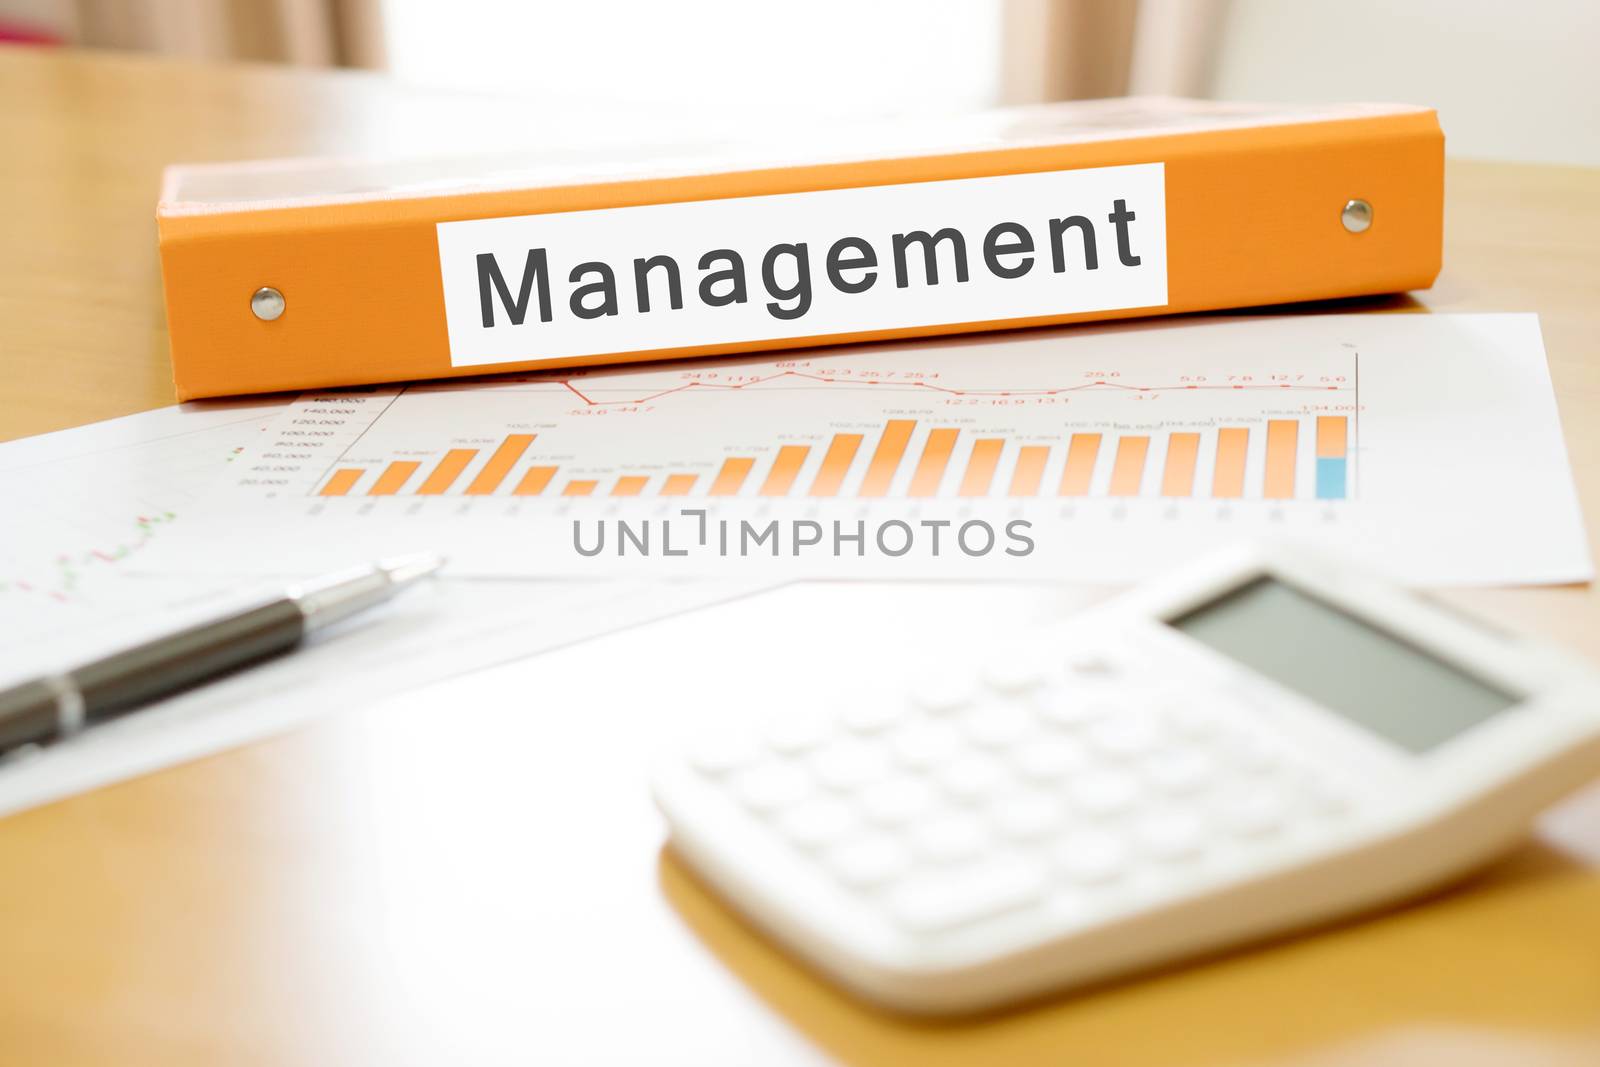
(55, 706)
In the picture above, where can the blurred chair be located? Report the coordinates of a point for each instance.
(310, 33)
(1065, 49)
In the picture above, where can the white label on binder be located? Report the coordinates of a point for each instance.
(842, 261)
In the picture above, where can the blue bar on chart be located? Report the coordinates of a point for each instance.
(1332, 457)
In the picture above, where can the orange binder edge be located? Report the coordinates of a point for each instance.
(1252, 219)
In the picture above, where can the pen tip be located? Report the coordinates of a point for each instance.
(403, 570)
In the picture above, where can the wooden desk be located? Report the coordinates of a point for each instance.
(349, 894)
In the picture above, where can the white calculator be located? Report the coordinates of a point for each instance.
(1265, 741)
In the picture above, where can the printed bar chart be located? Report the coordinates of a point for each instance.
(836, 464)
(784, 470)
(505, 457)
(981, 467)
(1081, 456)
(1332, 457)
(449, 469)
(935, 458)
(1170, 463)
(534, 481)
(342, 481)
(1127, 474)
(886, 460)
(393, 477)
(1177, 478)
(1029, 473)
(1227, 477)
(1270, 457)
(731, 477)
(1121, 449)
(1283, 438)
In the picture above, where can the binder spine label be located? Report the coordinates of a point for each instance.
(814, 264)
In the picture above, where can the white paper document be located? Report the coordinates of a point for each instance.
(88, 503)
(98, 498)
(1427, 444)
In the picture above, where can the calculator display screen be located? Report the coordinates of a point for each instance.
(1349, 666)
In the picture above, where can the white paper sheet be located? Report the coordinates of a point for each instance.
(101, 496)
(1427, 444)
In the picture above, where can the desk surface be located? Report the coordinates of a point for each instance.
(332, 896)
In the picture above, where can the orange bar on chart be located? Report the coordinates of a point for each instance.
(1081, 454)
(980, 466)
(935, 458)
(678, 484)
(886, 459)
(1283, 438)
(835, 464)
(1331, 430)
(1127, 472)
(1333, 445)
(1030, 470)
(735, 469)
(1227, 478)
(780, 479)
(394, 476)
(632, 485)
(342, 482)
(579, 488)
(534, 481)
(1177, 477)
(449, 469)
(505, 457)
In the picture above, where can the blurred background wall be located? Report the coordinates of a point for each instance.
(1511, 81)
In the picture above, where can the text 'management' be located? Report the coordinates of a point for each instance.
(811, 265)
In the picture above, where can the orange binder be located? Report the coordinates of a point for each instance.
(305, 274)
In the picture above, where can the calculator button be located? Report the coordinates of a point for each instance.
(1322, 798)
(1252, 812)
(849, 764)
(1125, 735)
(867, 862)
(1180, 772)
(1174, 835)
(1196, 723)
(771, 786)
(1104, 792)
(944, 691)
(794, 734)
(949, 838)
(1047, 759)
(1090, 856)
(1073, 710)
(895, 801)
(1016, 671)
(1250, 755)
(997, 725)
(1093, 665)
(870, 718)
(971, 776)
(942, 901)
(817, 822)
(925, 744)
(1026, 816)
(722, 752)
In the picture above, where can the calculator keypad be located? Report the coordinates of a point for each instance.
(1023, 783)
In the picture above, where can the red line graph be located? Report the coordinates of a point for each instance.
(1097, 384)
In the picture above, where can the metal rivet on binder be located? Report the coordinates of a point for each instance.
(1356, 216)
(268, 303)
